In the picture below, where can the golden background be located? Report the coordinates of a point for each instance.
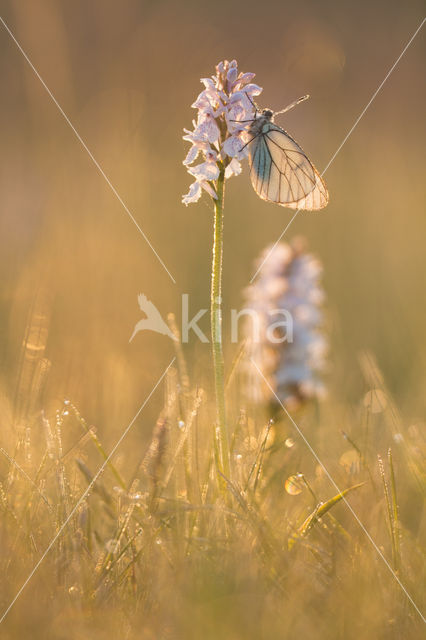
(126, 73)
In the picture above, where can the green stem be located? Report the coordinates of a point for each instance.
(216, 325)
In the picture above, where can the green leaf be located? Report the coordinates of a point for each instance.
(319, 511)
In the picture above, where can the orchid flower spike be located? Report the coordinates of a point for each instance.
(288, 285)
(219, 132)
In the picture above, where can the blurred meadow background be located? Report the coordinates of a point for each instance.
(126, 74)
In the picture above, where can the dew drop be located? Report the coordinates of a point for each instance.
(136, 496)
(112, 546)
(294, 484)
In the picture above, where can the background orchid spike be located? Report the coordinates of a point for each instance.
(219, 133)
(291, 280)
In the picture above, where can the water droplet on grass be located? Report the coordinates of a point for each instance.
(112, 546)
(294, 484)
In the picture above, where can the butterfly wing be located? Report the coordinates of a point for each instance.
(281, 172)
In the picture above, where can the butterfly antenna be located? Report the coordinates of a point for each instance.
(256, 108)
(256, 111)
(292, 105)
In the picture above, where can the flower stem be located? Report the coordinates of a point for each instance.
(216, 325)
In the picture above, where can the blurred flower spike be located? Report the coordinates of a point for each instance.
(289, 278)
(219, 133)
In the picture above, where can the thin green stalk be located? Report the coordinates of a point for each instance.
(216, 324)
(395, 513)
(390, 513)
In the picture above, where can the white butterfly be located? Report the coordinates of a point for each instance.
(280, 170)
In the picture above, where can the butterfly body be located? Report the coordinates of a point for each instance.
(261, 122)
(280, 171)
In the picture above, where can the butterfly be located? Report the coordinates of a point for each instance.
(280, 170)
